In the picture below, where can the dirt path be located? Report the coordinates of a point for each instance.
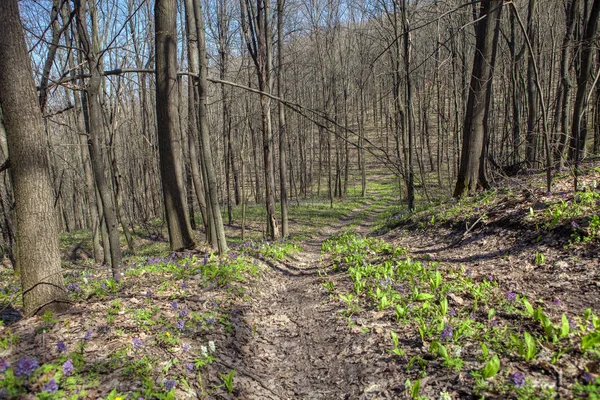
(291, 342)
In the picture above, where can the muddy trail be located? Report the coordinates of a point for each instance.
(292, 342)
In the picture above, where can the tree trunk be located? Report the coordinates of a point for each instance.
(169, 145)
(37, 249)
(579, 126)
(207, 160)
(479, 90)
(94, 128)
(282, 124)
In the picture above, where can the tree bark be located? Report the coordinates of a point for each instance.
(479, 89)
(37, 249)
(169, 144)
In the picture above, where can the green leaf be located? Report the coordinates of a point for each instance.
(415, 389)
(491, 368)
(442, 351)
(399, 311)
(528, 307)
(444, 306)
(438, 279)
(565, 327)
(538, 313)
(547, 324)
(491, 313)
(394, 336)
(424, 296)
(530, 346)
(485, 350)
(590, 341)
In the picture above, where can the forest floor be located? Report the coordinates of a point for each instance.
(486, 297)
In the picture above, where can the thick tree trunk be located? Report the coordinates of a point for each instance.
(169, 144)
(579, 125)
(475, 116)
(37, 249)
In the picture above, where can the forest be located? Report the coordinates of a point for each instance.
(281, 199)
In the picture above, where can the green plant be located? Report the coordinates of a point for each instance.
(526, 348)
(329, 285)
(413, 389)
(228, 380)
(540, 258)
(491, 368)
(396, 350)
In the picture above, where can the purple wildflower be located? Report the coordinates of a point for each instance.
(186, 347)
(68, 367)
(447, 332)
(556, 302)
(73, 287)
(51, 386)
(184, 285)
(452, 313)
(469, 272)
(572, 324)
(386, 282)
(518, 379)
(4, 365)
(170, 384)
(183, 313)
(510, 296)
(61, 346)
(149, 293)
(190, 367)
(574, 224)
(490, 278)
(137, 343)
(210, 321)
(88, 335)
(205, 260)
(180, 324)
(587, 378)
(174, 305)
(494, 322)
(26, 366)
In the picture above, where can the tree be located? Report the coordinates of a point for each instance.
(37, 250)
(472, 159)
(169, 140)
(579, 125)
(93, 112)
(257, 32)
(199, 63)
(282, 124)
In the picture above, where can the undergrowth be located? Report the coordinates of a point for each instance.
(507, 345)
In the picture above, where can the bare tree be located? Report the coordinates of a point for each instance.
(92, 109)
